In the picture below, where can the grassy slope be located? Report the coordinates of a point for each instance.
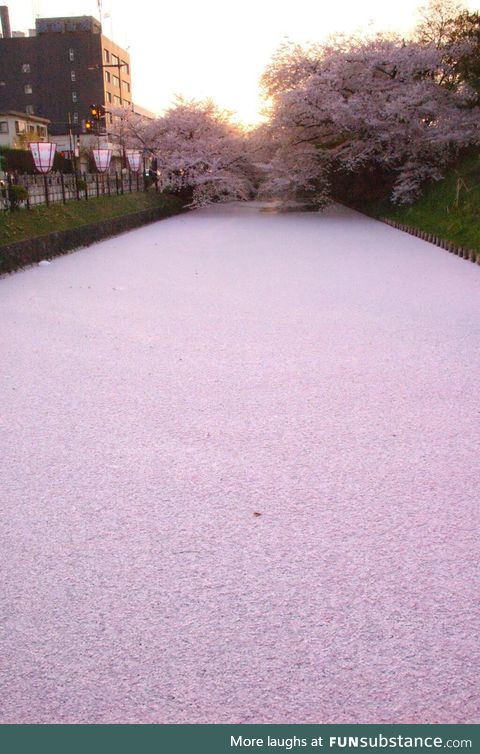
(436, 213)
(15, 226)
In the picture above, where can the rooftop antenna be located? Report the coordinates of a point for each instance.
(109, 16)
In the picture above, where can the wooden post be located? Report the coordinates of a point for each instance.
(62, 181)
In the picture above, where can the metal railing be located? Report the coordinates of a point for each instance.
(63, 187)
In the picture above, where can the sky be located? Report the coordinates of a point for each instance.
(215, 48)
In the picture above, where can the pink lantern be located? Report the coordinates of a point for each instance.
(102, 159)
(134, 159)
(43, 153)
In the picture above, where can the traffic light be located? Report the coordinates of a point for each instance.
(89, 126)
(97, 111)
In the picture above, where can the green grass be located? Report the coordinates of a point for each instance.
(23, 223)
(439, 211)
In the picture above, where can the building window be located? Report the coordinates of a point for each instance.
(27, 88)
(115, 60)
(3, 126)
(19, 127)
(31, 129)
(74, 97)
(117, 100)
(73, 76)
(116, 81)
(29, 109)
(110, 118)
(26, 68)
(71, 54)
(126, 86)
(109, 96)
(107, 77)
(75, 117)
(41, 131)
(106, 56)
(126, 103)
(126, 67)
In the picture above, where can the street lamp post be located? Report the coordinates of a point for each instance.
(102, 159)
(43, 153)
(134, 162)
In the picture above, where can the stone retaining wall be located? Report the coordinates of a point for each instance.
(33, 250)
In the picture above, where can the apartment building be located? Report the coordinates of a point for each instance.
(60, 69)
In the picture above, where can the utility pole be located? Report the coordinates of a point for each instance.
(119, 67)
(73, 155)
(72, 144)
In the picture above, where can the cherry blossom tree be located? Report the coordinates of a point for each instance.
(356, 103)
(199, 151)
(289, 173)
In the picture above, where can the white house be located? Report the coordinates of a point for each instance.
(17, 129)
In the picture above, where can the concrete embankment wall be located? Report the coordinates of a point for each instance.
(33, 250)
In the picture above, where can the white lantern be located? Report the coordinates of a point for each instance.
(43, 153)
(102, 159)
(134, 157)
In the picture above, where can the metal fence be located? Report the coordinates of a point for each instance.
(62, 187)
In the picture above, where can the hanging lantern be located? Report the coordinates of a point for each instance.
(134, 157)
(43, 153)
(102, 159)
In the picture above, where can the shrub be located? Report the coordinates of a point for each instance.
(16, 195)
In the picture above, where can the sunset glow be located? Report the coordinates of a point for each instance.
(215, 49)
